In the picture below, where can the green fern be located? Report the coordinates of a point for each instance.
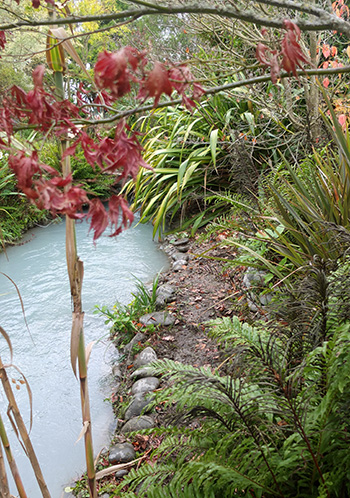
(272, 428)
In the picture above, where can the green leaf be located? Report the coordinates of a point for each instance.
(213, 144)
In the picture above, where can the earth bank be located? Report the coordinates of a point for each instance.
(195, 289)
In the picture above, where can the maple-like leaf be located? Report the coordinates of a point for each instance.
(181, 78)
(156, 83)
(112, 70)
(326, 50)
(99, 217)
(24, 167)
(293, 56)
(119, 214)
(269, 58)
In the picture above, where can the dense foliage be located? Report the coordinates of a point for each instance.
(258, 165)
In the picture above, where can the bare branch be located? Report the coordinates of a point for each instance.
(325, 20)
(210, 91)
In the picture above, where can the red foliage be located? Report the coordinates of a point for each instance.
(293, 56)
(47, 193)
(291, 53)
(112, 70)
(119, 206)
(99, 217)
(116, 71)
(2, 40)
(39, 108)
(120, 155)
(156, 83)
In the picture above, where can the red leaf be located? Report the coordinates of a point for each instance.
(24, 167)
(38, 75)
(99, 218)
(112, 72)
(326, 82)
(118, 205)
(156, 83)
(181, 77)
(268, 58)
(334, 51)
(342, 120)
(275, 69)
(198, 91)
(260, 54)
(293, 56)
(2, 39)
(326, 51)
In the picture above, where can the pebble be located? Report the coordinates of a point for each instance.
(137, 424)
(143, 372)
(121, 453)
(178, 256)
(116, 372)
(181, 242)
(139, 337)
(145, 385)
(179, 264)
(145, 357)
(157, 318)
(120, 473)
(137, 405)
(184, 248)
(164, 294)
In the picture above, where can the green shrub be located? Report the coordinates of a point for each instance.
(275, 426)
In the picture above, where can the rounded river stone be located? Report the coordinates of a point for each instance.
(179, 264)
(121, 453)
(146, 356)
(139, 337)
(143, 372)
(116, 372)
(181, 242)
(178, 256)
(138, 424)
(145, 385)
(136, 406)
(157, 318)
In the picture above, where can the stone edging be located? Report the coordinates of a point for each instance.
(136, 416)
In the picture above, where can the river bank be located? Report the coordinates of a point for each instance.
(203, 289)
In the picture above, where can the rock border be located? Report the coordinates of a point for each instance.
(135, 413)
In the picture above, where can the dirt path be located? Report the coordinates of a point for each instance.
(205, 290)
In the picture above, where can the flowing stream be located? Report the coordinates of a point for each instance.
(39, 270)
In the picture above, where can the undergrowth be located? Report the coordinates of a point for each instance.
(271, 421)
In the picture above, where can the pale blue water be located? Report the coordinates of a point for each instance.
(39, 270)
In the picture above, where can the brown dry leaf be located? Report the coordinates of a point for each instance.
(61, 34)
(83, 431)
(88, 350)
(77, 326)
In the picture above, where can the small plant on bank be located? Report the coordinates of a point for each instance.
(124, 319)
